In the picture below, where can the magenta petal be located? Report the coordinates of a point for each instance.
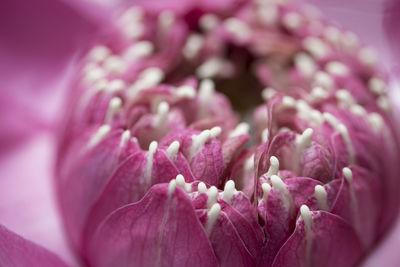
(231, 146)
(329, 242)
(130, 182)
(19, 252)
(83, 178)
(229, 248)
(248, 230)
(157, 231)
(358, 203)
(207, 162)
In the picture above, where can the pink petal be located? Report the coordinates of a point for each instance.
(159, 230)
(328, 242)
(130, 182)
(17, 251)
(84, 174)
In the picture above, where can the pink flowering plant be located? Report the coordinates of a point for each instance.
(223, 133)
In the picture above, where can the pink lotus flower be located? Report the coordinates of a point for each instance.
(155, 168)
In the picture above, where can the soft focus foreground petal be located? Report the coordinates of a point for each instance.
(39, 40)
(19, 252)
(160, 230)
(320, 239)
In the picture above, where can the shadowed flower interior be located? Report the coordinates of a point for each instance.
(254, 135)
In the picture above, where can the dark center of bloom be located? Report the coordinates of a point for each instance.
(153, 122)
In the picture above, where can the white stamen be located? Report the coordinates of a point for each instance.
(115, 86)
(229, 190)
(166, 19)
(185, 91)
(277, 183)
(368, 56)
(273, 167)
(383, 103)
(212, 216)
(212, 194)
(305, 64)
(288, 101)
(316, 47)
(180, 181)
(215, 131)
(306, 216)
(238, 28)
(249, 164)
(193, 46)
(99, 53)
(329, 118)
(147, 78)
(173, 149)
(138, 50)
(202, 188)
(100, 85)
(125, 138)
(150, 158)
(348, 174)
(321, 197)
(318, 93)
(377, 86)
(101, 133)
(210, 68)
(376, 121)
(337, 68)
(114, 64)
(161, 118)
(268, 14)
(345, 98)
(324, 79)
(292, 20)
(171, 187)
(342, 129)
(283, 129)
(206, 93)
(350, 40)
(152, 76)
(332, 34)
(95, 74)
(358, 110)
(133, 13)
(198, 142)
(266, 188)
(134, 30)
(206, 89)
(304, 140)
(267, 93)
(307, 113)
(113, 107)
(265, 135)
(208, 22)
(241, 128)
